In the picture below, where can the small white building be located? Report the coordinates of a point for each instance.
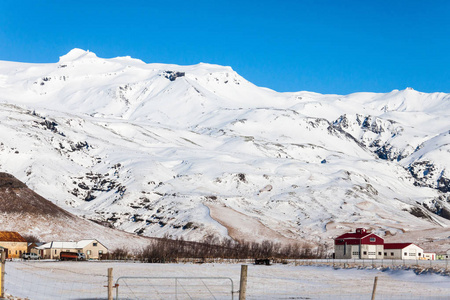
(92, 249)
(402, 251)
(429, 255)
(445, 255)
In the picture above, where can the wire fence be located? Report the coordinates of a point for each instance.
(287, 279)
(138, 287)
(410, 263)
(40, 280)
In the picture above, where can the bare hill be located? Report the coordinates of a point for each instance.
(26, 212)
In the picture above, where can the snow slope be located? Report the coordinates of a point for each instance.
(155, 149)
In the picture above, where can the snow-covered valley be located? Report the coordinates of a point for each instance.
(197, 150)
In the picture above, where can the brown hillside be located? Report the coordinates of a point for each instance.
(16, 197)
(26, 212)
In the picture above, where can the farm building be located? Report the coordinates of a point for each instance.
(93, 249)
(358, 245)
(13, 243)
(429, 255)
(402, 251)
(445, 255)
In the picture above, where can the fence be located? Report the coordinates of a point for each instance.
(289, 279)
(135, 287)
(374, 263)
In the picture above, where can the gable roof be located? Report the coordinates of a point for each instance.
(353, 235)
(11, 236)
(67, 245)
(84, 243)
(398, 245)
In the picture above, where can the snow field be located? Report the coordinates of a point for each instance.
(86, 280)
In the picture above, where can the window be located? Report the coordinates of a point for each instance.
(100, 252)
(94, 244)
(419, 254)
(385, 253)
(372, 240)
(379, 253)
(405, 253)
(365, 252)
(412, 254)
(88, 252)
(392, 253)
(355, 253)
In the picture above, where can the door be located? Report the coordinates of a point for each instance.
(372, 251)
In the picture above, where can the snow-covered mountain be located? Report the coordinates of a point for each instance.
(198, 150)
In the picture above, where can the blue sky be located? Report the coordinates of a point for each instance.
(333, 46)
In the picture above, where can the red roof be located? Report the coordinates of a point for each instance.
(352, 235)
(361, 236)
(397, 245)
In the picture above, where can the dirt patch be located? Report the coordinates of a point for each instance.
(243, 227)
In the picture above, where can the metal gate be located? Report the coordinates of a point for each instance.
(180, 288)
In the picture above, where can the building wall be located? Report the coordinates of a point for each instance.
(429, 256)
(15, 249)
(54, 253)
(355, 252)
(372, 251)
(393, 253)
(94, 250)
(346, 251)
(409, 252)
(412, 252)
(342, 251)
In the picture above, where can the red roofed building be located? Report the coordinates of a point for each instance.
(402, 251)
(359, 245)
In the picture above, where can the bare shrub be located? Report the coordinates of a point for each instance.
(30, 238)
(120, 254)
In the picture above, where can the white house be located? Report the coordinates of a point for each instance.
(93, 249)
(402, 251)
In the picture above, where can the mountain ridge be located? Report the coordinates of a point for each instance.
(147, 147)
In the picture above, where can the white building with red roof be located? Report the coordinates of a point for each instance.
(359, 245)
(402, 251)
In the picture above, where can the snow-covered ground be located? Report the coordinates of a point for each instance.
(86, 280)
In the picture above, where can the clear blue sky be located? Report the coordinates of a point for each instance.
(333, 46)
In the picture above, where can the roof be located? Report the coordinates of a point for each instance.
(361, 236)
(67, 245)
(398, 245)
(353, 235)
(11, 236)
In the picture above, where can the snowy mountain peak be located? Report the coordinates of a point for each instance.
(76, 54)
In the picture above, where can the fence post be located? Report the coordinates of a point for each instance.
(2, 275)
(243, 283)
(374, 287)
(110, 283)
